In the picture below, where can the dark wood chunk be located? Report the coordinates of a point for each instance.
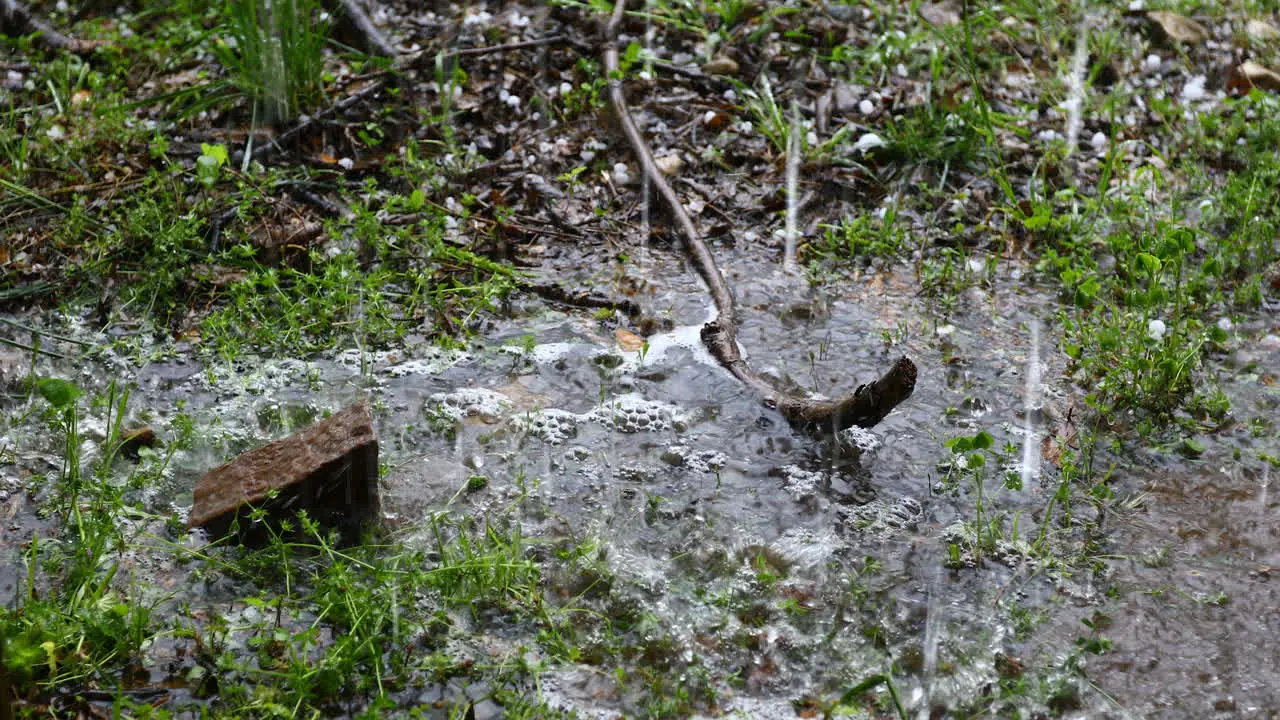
(329, 469)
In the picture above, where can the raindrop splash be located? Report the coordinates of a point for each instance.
(1030, 459)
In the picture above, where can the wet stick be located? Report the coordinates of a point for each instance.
(16, 19)
(865, 407)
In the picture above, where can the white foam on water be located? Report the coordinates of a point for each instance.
(688, 337)
(486, 404)
(861, 438)
(548, 353)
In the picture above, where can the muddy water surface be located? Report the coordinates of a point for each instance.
(695, 491)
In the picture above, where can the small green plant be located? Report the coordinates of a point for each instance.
(211, 160)
(572, 179)
(1143, 351)
(153, 246)
(1095, 642)
(946, 274)
(72, 624)
(15, 148)
(861, 239)
(335, 298)
(449, 84)
(588, 94)
(783, 130)
(789, 135)
(980, 536)
(853, 698)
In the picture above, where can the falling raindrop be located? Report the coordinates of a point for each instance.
(1262, 495)
(1030, 446)
(1076, 86)
(933, 621)
(644, 177)
(793, 181)
(274, 75)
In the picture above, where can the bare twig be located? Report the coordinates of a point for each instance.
(46, 333)
(490, 49)
(555, 292)
(866, 406)
(32, 348)
(16, 19)
(692, 73)
(365, 35)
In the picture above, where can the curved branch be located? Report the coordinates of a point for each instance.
(866, 406)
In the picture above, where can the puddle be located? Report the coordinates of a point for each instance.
(763, 566)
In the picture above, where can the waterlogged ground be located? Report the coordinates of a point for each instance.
(760, 570)
(1067, 218)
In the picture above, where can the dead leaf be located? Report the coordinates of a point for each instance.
(137, 438)
(80, 97)
(718, 121)
(669, 164)
(1261, 31)
(1051, 450)
(522, 398)
(1256, 75)
(628, 340)
(941, 14)
(1178, 28)
(1009, 667)
(16, 502)
(720, 65)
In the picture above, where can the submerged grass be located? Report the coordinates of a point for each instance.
(314, 627)
(74, 618)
